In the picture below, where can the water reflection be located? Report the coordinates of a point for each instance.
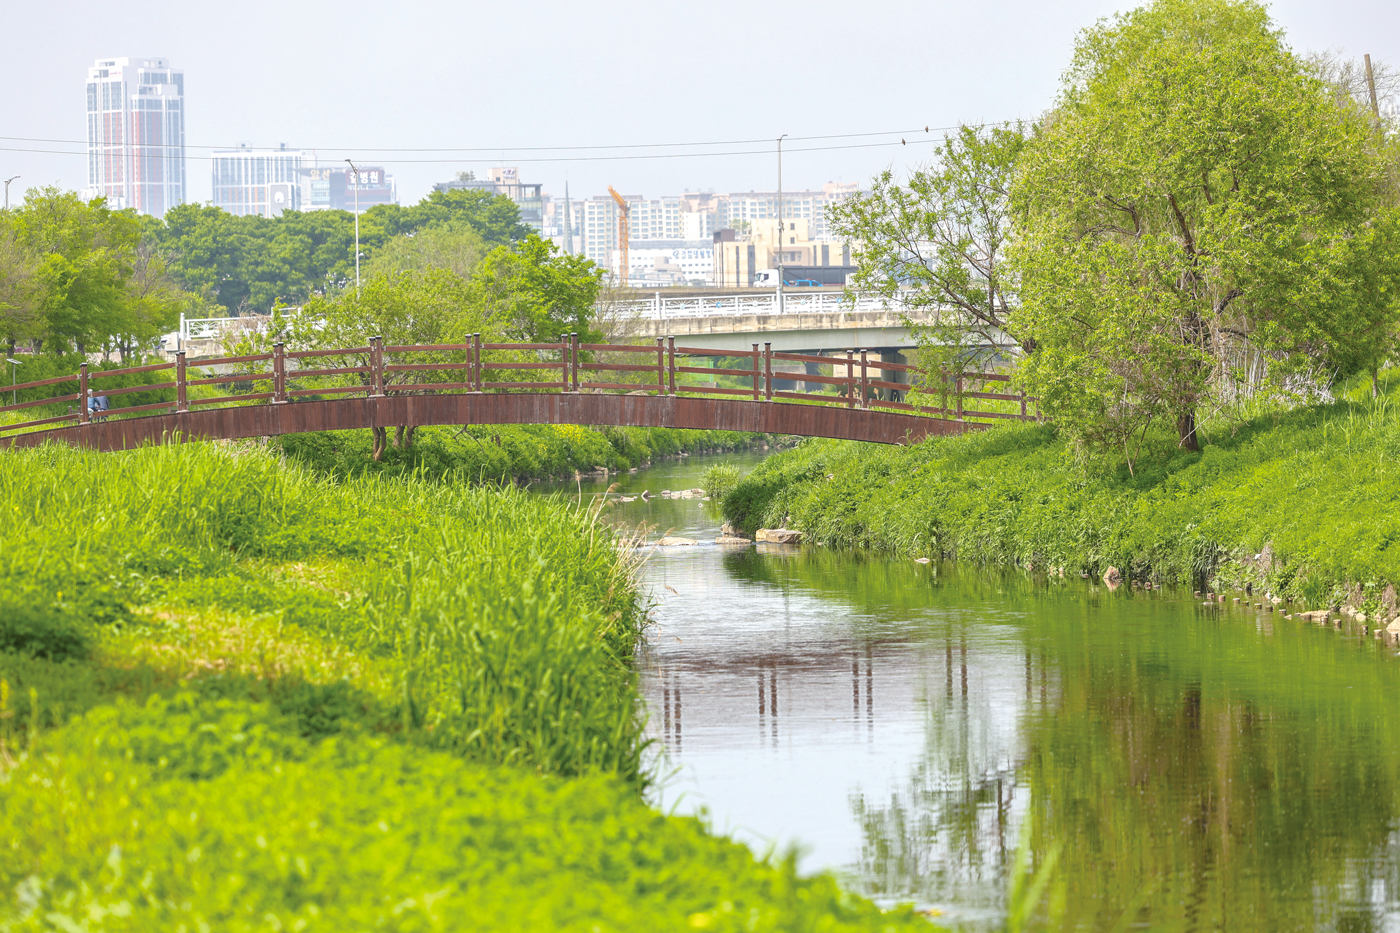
(1201, 768)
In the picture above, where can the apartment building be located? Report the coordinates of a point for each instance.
(136, 134)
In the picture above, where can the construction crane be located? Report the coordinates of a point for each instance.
(624, 228)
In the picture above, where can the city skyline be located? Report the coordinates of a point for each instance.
(360, 82)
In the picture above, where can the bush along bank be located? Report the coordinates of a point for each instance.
(1298, 506)
(236, 695)
(507, 451)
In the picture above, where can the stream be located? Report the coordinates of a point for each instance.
(916, 727)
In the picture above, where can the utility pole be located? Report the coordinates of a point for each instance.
(13, 177)
(782, 232)
(357, 226)
(1371, 86)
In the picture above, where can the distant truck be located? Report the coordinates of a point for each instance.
(803, 276)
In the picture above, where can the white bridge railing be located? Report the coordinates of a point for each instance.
(660, 307)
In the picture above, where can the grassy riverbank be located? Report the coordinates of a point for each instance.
(1302, 502)
(236, 695)
(506, 451)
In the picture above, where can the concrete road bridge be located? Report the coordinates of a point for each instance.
(379, 386)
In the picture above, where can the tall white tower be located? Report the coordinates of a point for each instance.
(136, 134)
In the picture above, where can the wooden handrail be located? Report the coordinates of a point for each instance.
(863, 382)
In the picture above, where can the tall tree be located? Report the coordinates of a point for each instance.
(536, 292)
(1197, 193)
(938, 243)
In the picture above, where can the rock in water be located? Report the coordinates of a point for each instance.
(1112, 577)
(674, 541)
(732, 540)
(779, 536)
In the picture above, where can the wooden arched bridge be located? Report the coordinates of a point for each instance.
(379, 386)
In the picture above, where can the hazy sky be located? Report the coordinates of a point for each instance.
(347, 78)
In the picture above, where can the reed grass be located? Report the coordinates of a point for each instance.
(507, 620)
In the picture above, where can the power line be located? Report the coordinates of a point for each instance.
(723, 142)
(613, 158)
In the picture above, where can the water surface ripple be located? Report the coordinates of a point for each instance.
(911, 725)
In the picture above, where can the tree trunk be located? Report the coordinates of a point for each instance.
(398, 437)
(381, 440)
(1186, 431)
(1375, 383)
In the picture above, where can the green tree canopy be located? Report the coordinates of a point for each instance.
(455, 246)
(537, 293)
(939, 244)
(1197, 201)
(255, 263)
(83, 279)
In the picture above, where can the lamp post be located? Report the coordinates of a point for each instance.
(14, 393)
(7, 190)
(357, 225)
(781, 231)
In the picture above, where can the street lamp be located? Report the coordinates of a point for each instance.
(781, 232)
(7, 190)
(14, 393)
(357, 225)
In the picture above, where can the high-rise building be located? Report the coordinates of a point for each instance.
(136, 134)
(261, 182)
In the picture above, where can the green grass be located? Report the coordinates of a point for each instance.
(1312, 492)
(500, 452)
(719, 479)
(202, 814)
(235, 694)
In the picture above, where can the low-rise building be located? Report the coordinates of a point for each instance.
(333, 188)
(260, 182)
(740, 257)
(662, 263)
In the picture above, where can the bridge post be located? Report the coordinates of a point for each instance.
(850, 379)
(660, 366)
(279, 374)
(83, 394)
(671, 361)
(476, 362)
(182, 383)
(768, 372)
(755, 372)
(563, 363)
(864, 382)
(573, 338)
(958, 388)
(376, 366)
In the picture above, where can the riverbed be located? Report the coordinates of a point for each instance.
(914, 727)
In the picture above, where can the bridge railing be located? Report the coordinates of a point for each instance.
(853, 381)
(795, 301)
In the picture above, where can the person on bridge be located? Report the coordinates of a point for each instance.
(96, 405)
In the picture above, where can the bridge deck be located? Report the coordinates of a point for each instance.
(481, 383)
